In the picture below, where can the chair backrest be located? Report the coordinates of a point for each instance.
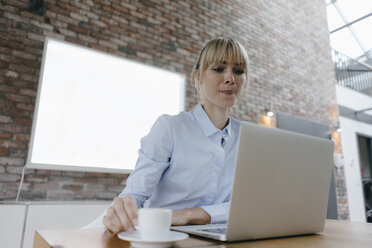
(60, 215)
(12, 217)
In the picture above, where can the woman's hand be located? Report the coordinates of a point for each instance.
(122, 215)
(190, 216)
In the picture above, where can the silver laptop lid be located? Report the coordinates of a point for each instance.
(281, 184)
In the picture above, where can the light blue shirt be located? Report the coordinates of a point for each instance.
(182, 163)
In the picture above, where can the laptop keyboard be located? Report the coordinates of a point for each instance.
(214, 230)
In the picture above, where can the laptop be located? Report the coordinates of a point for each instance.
(280, 188)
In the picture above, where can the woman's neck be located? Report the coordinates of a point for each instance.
(218, 116)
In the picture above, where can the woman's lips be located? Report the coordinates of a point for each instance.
(229, 92)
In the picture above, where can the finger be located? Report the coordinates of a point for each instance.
(121, 212)
(130, 205)
(112, 222)
(110, 227)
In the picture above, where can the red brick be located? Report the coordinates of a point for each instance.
(120, 176)
(46, 186)
(8, 59)
(15, 17)
(97, 47)
(67, 33)
(8, 194)
(58, 24)
(79, 17)
(29, 107)
(96, 187)
(115, 188)
(28, 92)
(16, 167)
(19, 153)
(128, 6)
(5, 50)
(21, 68)
(5, 119)
(30, 78)
(57, 9)
(78, 29)
(87, 39)
(106, 195)
(9, 73)
(36, 178)
(83, 195)
(4, 152)
(15, 186)
(34, 51)
(17, 114)
(7, 88)
(21, 84)
(23, 121)
(33, 195)
(9, 8)
(8, 22)
(12, 144)
(49, 172)
(9, 178)
(21, 137)
(60, 179)
(75, 41)
(42, 25)
(35, 37)
(33, 63)
(6, 104)
(85, 179)
(23, 55)
(60, 195)
(73, 173)
(81, 6)
(107, 181)
(96, 174)
(109, 45)
(13, 128)
(3, 64)
(72, 187)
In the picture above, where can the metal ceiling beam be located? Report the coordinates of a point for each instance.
(343, 17)
(351, 23)
(361, 111)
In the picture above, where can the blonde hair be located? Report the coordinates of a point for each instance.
(218, 50)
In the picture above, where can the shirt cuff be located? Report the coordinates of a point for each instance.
(218, 212)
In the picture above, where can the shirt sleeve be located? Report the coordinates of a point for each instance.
(219, 212)
(153, 159)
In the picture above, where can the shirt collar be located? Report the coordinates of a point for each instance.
(206, 124)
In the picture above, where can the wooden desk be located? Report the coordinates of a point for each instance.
(336, 234)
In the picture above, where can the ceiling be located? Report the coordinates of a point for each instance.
(350, 27)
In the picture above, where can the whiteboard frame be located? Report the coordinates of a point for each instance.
(42, 166)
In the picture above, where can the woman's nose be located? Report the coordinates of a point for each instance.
(229, 77)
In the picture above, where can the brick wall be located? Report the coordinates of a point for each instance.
(287, 42)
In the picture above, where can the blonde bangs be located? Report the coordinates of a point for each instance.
(220, 50)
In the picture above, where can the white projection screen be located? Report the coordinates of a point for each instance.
(92, 109)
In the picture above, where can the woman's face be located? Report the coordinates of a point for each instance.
(221, 84)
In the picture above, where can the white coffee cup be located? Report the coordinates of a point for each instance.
(154, 223)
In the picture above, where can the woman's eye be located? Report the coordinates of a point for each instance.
(238, 71)
(218, 69)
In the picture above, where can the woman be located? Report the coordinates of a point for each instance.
(186, 162)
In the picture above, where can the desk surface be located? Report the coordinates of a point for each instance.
(336, 234)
